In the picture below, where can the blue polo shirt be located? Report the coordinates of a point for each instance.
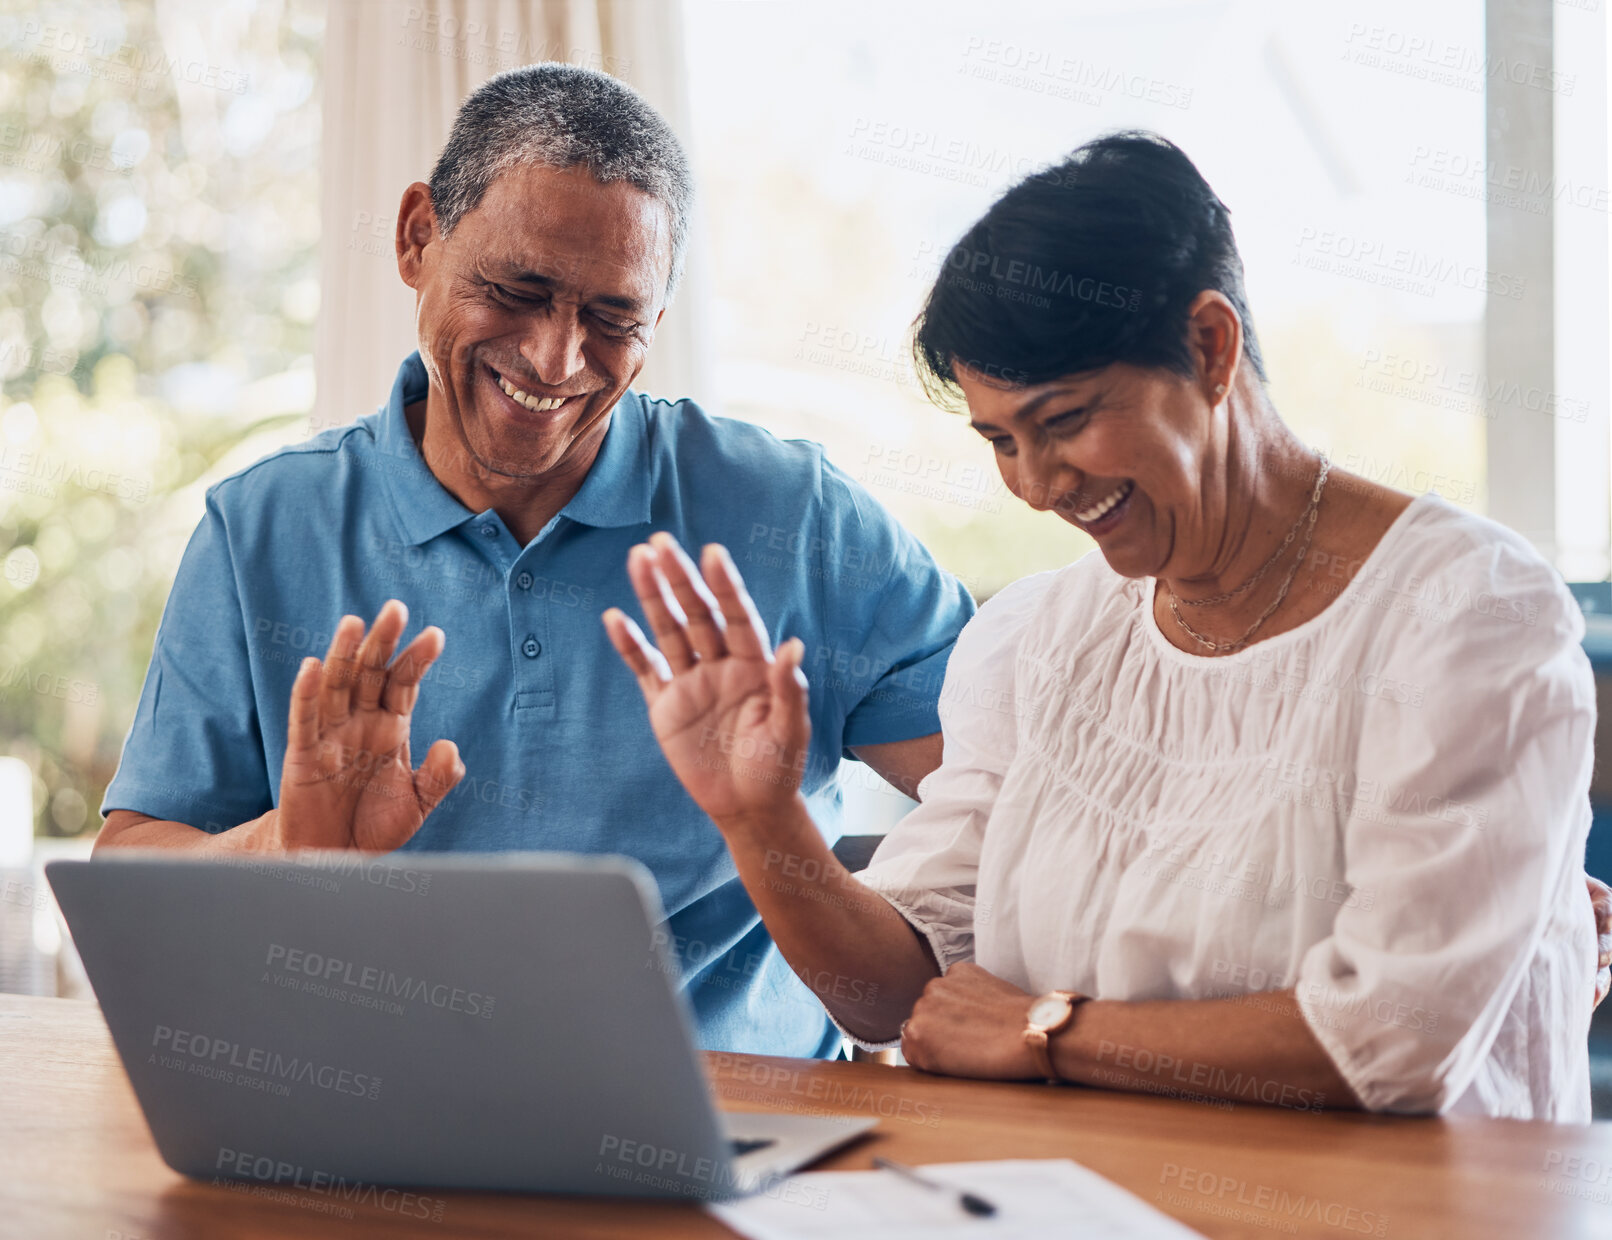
(551, 725)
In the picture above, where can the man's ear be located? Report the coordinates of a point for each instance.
(416, 228)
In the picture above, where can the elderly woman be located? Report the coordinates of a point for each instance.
(1281, 798)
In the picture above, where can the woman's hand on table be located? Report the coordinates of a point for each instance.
(1601, 901)
(730, 713)
(971, 1023)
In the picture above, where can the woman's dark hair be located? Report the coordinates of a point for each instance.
(1092, 261)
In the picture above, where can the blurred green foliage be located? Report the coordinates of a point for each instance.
(158, 289)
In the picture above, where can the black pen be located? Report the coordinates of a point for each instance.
(972, 1203)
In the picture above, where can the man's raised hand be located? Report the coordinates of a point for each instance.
(348, 781)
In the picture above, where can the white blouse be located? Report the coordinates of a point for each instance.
(1384, 808)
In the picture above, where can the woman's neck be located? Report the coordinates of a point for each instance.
(1262, 485)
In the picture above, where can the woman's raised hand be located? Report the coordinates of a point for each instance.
(729, 712)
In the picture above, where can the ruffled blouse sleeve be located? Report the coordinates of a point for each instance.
(927, 865)
(1464, 836)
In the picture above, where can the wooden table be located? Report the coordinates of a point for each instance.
(77, 1162)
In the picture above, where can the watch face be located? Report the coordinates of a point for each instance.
(1048, 1010)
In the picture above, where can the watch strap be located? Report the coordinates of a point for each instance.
(1036, 1040)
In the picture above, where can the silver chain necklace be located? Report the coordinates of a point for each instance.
(1306, 521)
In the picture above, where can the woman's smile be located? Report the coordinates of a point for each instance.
(1106, 514)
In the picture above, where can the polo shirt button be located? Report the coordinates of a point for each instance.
(531, 647)
(489, 531)
(524, 581)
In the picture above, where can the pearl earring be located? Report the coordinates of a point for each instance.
(1220, 389)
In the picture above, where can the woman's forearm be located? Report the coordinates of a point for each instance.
(852, 949)
(1235, 1049)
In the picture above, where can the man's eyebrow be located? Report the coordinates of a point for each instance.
(615, 300)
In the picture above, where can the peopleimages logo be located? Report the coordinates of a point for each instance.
(281, 1174)
(656, 1166)
(1261, 1205)
(334, 971)
(253, 1067)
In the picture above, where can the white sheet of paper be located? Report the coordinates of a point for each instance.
(1034, 1198)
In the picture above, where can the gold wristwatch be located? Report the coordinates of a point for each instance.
(1050, 1014)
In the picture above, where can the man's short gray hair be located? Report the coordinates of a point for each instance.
(561, 116)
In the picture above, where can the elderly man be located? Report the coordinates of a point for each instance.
(489, 506)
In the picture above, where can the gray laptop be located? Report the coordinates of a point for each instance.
(503, 1022)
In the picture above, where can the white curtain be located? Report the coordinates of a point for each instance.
(395, 74)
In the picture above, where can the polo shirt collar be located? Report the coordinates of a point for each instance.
(615, 493)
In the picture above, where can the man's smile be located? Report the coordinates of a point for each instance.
(520, 403)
